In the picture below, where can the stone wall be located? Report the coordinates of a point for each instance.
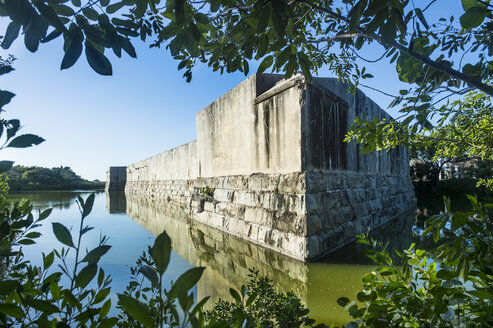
(116, 178)
(270, 166)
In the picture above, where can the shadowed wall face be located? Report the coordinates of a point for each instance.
(329, 113)
(116, 178)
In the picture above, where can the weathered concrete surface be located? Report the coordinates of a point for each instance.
(179, 163)
(227, 132)
(270, 166)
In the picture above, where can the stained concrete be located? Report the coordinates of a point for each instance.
(270, 166)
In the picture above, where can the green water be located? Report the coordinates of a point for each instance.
(133, 222)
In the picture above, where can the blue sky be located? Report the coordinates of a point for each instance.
(91, 122)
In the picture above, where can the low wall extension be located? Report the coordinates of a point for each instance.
(270, 166)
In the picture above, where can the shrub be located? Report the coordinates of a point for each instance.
(452, 290)
(258, 305)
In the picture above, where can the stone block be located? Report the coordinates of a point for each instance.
(223, 195)
(209, 206)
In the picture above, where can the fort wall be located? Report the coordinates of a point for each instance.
(270, 166)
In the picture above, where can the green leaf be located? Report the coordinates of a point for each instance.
(72, 54)
(26, 242)
(11, 34)
(85, 275)
(76, 3)
(305, 65)
(94, 255)
(466, 4)
(48, 260)
(150, 274)
(104, 3)
(53, 35)
(235, 295)
(5, 166)
(128, 47)
(55, 290)
(8, 286)
(50, 14)
(114, 7)
(473, 17)
(43, 215)
(5, 97)
(36, 31)
(12, 310)
(342, 301)
(419, 13)
(88, 204)
(99, 63)
(25, 140)
(14, 126)
(185, 282)
(62, 234)
(105, 309)
(137, 310)
(33, 235)
(179, 10)
(6, 69)
(161, 252)
(252, 297)
(5, 228)
(101, 295)
(199, 306)
(266, 63)
(107, 323)
(90, 13)
(42, 305)
(481, 293)
(436, 235)
(63, 10)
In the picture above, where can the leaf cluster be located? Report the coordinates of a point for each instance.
(259, 305)
(147, 303)
(452, 289)
(55, 294)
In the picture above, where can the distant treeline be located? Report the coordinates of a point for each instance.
(27, 178)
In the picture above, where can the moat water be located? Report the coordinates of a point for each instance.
(132, 224)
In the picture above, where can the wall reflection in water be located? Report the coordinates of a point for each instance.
(228, 259)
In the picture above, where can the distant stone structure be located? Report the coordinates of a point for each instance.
(270, 166)
(116, 177)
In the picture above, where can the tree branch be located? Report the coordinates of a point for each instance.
(404, 50)
(339, 36)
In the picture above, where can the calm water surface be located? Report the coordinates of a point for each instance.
(133, 222)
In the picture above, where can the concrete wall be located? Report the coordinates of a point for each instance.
(226, 130)
(270, 166)
(179, 163)
(116, 178)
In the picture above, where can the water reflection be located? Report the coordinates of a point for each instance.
(52, 199)
(228, 259)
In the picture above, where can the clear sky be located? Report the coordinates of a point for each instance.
(91, 122)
